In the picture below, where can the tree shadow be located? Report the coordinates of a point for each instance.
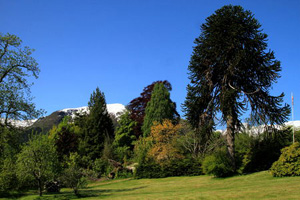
(85, 193)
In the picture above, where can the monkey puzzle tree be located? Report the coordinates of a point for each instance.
(230, 69)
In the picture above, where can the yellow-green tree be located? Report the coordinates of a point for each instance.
(164, 137)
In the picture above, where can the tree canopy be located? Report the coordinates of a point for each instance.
(16, 65)
(138, 105)
(232, 70)
(160, 107)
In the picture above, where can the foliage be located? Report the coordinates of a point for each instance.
(73, 175)
(16, 64)
(125, 137)
(176, 167)
(192, 143)
(97, 127)
(100, 166)
(160, 107)
(141, 149)
(138, 105)
(164, 137)
(258, 152)
(38, 160)
(10, 140)
(230, 69)
(288, 163)
(65, 137)
(218, 164)
(8, 175)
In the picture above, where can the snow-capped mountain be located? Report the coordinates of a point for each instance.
(115, 109)
(260, 129)
(55, 117)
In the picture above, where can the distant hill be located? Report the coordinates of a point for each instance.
(44, 124)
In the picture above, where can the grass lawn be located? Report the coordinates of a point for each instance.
(259, 185)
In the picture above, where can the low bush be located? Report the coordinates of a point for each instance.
(218, 164)
(182, 167)
(288, 163)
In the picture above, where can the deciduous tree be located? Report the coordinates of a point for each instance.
(38, 160)
(16, 65)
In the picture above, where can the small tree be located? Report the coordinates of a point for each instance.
(65, 136)
(125, 136)
(72, 175)
(164, 137)
(38, 160)
(160, 107)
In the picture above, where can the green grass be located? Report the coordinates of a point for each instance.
(254, 186)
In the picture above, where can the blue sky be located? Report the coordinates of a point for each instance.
(123, 46)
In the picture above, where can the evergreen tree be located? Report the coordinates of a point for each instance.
(97, 127)
(160, 107)
(124, 133)
(125, 136)
(138, 105)
(230, 69)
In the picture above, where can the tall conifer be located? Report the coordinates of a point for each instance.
(160, 107)
(97, 127)
(232, 70)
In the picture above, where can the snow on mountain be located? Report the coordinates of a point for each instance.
(260, 129)
(115, 109)
(20, 123)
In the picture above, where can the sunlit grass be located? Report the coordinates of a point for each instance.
(254, 186)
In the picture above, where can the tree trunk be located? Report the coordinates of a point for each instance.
(40, 187)
(230, 131)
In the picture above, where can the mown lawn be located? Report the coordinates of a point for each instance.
(254, 186)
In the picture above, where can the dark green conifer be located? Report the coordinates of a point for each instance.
(160, 107)
(97, 127)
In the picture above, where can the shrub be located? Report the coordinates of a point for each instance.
(288, 163)
(179, 167)
(8, 176)
(259, 152)
(73, 176)
(218, 164)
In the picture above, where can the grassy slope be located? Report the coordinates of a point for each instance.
(254, 186)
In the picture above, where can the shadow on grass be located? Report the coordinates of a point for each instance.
(67, 195)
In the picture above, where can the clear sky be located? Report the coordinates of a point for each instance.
(124, 45)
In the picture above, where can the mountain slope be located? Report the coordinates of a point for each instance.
(44, 124)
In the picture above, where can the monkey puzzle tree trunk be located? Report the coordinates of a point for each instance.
(230, 132)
